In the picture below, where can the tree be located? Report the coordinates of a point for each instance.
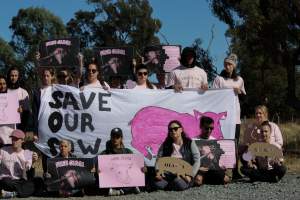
(7, 56)
(111, 23)
(266, 36)
(30, 27)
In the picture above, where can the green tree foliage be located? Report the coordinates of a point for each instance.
(204, 60)
(30, 27)
(116, 23)
(7, 56)
(266, 36)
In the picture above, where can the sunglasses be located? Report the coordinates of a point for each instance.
(92, 70)
(173, 128)
(142, 73)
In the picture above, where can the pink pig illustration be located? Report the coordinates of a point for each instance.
(149, 127)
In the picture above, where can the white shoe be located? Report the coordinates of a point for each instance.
(7, 195)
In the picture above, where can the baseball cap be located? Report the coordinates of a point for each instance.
(116, 132)
(18, 134)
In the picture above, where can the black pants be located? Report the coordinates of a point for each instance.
(272, 175)
(213, 177)
(24, 188)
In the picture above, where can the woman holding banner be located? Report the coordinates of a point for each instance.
(94, 78)
(229, 79)
(178, 145)
(142, 81)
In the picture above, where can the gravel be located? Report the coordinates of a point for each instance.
(287, 188)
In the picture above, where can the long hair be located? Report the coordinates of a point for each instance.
(11, 85)
(3, 77)
(226, 75)
(99, 77)
(52, 73)
(141, 66)
(168, 143)
(264, 109)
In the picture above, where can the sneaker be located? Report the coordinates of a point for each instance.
(7, 195)
(114, 192)
(137, 190)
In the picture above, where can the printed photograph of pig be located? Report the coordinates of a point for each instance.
(149, 126)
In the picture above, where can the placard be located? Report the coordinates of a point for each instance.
(217, 154)
(9, 105)
(61, 52)
(121, 170)
(263, 149)
(175, 166)
(115, 61)
(70, 173)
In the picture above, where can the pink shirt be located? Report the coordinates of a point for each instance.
(14, 164)
(220, 82)
(253, 134)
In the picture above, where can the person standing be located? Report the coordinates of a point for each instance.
(188, 75)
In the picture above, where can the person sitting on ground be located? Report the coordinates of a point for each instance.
(206, 175)
(16, 169)
(263, 168)
(188, 75)
(178, 145)
(115, 146)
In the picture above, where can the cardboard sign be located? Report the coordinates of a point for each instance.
(115, 61)
(216, 154)
(176, 166)
(70, 173)
(263, 149)
(162, 58)
(9, 105)
(121, 170)
(59, 53)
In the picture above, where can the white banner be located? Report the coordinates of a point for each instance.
(87, 117)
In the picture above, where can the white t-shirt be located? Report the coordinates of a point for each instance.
(5, 133)
(96, 84)
(143, 87)
(220, 82)
(187, 77)
(14, 164)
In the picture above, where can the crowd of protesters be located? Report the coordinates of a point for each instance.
(17, 176)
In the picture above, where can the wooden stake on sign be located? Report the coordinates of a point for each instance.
(174, 165)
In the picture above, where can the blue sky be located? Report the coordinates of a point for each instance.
(182, 20)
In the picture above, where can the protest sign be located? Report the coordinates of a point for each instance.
(9, 105)
(61, 52)
(115, 61)
(87, 117)
(70, 173)
(175, 166)
(263, 149)
(217, 154)
(121, 170)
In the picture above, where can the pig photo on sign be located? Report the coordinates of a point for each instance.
(149, 126)
(121, 170)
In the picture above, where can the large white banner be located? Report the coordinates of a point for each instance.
(87, 117)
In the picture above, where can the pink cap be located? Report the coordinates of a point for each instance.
(18, 134)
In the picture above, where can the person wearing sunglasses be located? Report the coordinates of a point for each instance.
(215, 176)
(93, 77)
(142, 81)
(178, 145)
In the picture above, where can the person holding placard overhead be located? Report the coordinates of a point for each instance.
(206, 175)
(116, 146)
(178, 145)
(188, 75)
(16, 171)
(264, 168)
